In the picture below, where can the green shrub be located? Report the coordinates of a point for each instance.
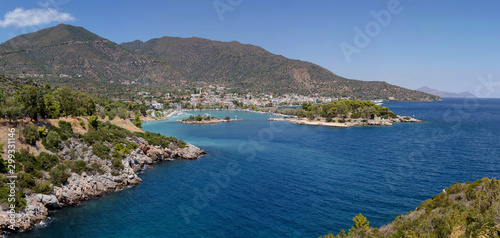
(58, 174)
(160, 140)
(82, 124)
(47, 161)
(123, 113)
(407, 118)
(29, 163)
(25, 180)
(455, 188)
(120, 151)
(42, 131)
(93, 122)
(79, 167)
(112, 114)
(364, 120)
(20, 201)
(328, 119)
(117, 163)
(43, 187)
(470, 193)
(31, 134)
(102, 114)
(341, 120)
(94, 167)
(66, 131)
(101, 151)
(53, 141)
(355, 115)
(4, 164)
(132, 146)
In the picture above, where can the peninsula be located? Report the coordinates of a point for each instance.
(343, 113)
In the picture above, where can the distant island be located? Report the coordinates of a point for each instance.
(444, 94)
(206, 119)
(343, 113)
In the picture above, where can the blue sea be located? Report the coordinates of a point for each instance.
(275, 179)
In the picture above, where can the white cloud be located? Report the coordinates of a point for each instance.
(33, 17)
(52, 3)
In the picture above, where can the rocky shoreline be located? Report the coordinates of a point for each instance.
(352, 123)
(81, 187)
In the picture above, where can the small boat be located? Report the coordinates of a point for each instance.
(378, 102)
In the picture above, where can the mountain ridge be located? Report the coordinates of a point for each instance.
(161, 62)
(445, 94)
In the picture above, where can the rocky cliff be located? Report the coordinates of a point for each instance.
(81, 187)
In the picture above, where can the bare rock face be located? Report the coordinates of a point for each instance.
(48, 200)
(158, 154)
(34, 213)
(190, 152)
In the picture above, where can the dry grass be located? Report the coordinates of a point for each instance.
(21, 124)
(39, 148)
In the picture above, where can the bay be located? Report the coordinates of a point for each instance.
(275, 179)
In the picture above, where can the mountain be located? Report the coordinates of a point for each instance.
(74, 51)
(444, 94)
(78, 58)
(246, 66)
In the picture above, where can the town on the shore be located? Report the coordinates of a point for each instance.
(216, 97)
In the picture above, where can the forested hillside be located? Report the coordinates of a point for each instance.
(74, 57)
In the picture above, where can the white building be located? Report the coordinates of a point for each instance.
(156, 105)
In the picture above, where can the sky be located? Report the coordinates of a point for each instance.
(446, 45)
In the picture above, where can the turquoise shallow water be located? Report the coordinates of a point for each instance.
(275, 179)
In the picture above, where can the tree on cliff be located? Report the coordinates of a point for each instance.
(65, 97)
(12, 109)
(137, 120)
(52, 107)
(33, 101)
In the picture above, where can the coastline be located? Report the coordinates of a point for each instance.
(82, 187)
(347, 124)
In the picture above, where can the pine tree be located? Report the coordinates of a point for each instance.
(137, 120)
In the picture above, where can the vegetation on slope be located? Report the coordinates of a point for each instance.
(39, 173)
(19, 98)
(99, 65)
(74, 51)
(343, 109)
(247, 67)
(461, 210)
